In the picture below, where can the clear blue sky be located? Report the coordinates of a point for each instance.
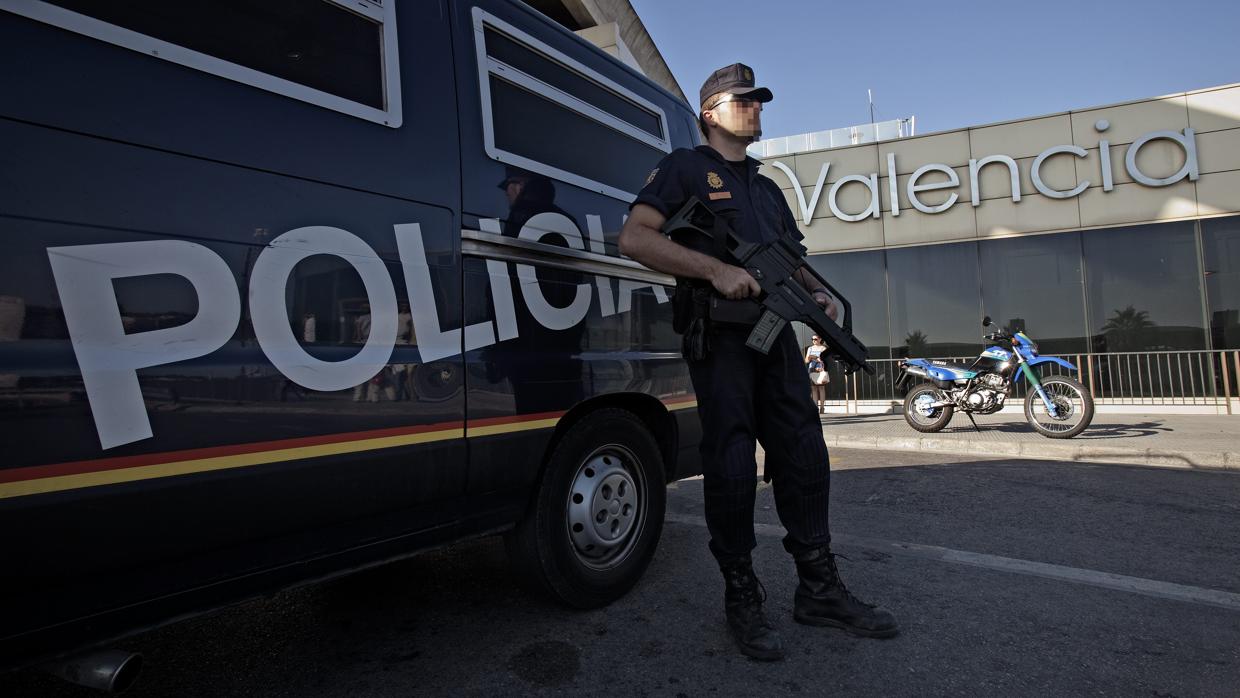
(950, 64)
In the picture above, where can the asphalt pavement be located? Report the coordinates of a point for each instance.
(1010, 577)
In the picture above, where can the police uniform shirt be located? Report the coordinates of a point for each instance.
(753, 204)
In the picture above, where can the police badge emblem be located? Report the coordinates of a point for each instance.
(714, 180)
(653, 174)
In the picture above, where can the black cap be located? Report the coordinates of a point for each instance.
(736, 79)
(511, 172)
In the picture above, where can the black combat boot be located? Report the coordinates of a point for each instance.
(742, 602)
(822, 599)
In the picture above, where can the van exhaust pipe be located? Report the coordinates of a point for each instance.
(113, 671)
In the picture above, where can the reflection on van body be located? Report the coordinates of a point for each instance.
(273, 320)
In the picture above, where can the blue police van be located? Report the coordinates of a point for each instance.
(298, 287)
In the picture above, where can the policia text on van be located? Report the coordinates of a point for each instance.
(274, 321)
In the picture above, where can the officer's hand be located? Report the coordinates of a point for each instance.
(735, 283)
(828, 304)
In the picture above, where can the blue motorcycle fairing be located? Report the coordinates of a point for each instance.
(997, 353)
(942, 372)
(1050, 359)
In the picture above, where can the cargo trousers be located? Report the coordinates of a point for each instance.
(746, 398)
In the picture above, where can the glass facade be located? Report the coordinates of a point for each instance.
(1035, 285)
(1126, 289)
(934, 300)
(860, 277)
(1144, 288)
(1220, 243)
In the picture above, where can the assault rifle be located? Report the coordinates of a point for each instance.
(783, 298)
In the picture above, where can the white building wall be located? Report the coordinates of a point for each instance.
(1213, 115)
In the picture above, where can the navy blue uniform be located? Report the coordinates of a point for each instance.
(745, 397)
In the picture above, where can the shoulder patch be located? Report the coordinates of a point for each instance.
(713, 179)
(653, 173)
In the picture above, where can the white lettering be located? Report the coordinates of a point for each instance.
(269, 312)
(1190, 169)
(1104, 147)
(594, 228)
(975, 166)
(501, 288)
(109, 358)
(434, 342)
(1187, 141)
(548, 315)
(1035, 172)
(807, 210)
(914, 188)
(893, 187)
(628, 287)
(871, 183)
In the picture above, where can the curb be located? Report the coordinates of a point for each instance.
(1088, 453)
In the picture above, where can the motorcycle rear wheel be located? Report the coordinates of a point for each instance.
(922, 418)
(1073, 403)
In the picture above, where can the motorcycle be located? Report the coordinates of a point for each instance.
(1057, 407)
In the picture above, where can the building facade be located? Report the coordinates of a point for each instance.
(1105, 233)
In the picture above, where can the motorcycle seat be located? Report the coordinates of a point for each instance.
(958, 368)
(944, 370)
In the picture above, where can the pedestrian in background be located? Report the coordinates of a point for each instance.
(818, 376)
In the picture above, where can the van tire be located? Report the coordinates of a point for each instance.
(596, 519)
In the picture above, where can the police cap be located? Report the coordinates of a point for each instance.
(736, 79)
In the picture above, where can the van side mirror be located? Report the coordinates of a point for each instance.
(986, 321)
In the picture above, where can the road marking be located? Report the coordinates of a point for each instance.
(1075, 575)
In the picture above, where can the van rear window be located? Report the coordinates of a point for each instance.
(531, 63)
(310, 42)
(551, 134)
(548, 113)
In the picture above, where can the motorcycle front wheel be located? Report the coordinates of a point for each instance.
(919, 413)
(1074, 408)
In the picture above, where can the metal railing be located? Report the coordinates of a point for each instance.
(1155, 378)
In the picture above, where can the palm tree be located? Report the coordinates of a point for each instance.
(918, 343)
(1126, 329)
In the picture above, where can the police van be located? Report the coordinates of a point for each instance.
(296, 287)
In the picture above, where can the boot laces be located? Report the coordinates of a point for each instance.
(835, 572)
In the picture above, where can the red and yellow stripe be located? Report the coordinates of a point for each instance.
(58, 477)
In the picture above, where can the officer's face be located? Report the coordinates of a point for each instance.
(513, 189)
(740, 117)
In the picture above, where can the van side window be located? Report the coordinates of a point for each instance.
(549, 114)
(321, 51)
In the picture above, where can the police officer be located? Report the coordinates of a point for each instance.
(744, 396)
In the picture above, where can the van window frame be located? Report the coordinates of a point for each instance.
(382, 12)
(488, 66)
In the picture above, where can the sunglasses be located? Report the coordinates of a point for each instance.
(740, 101)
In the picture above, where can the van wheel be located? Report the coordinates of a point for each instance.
(598, 514)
